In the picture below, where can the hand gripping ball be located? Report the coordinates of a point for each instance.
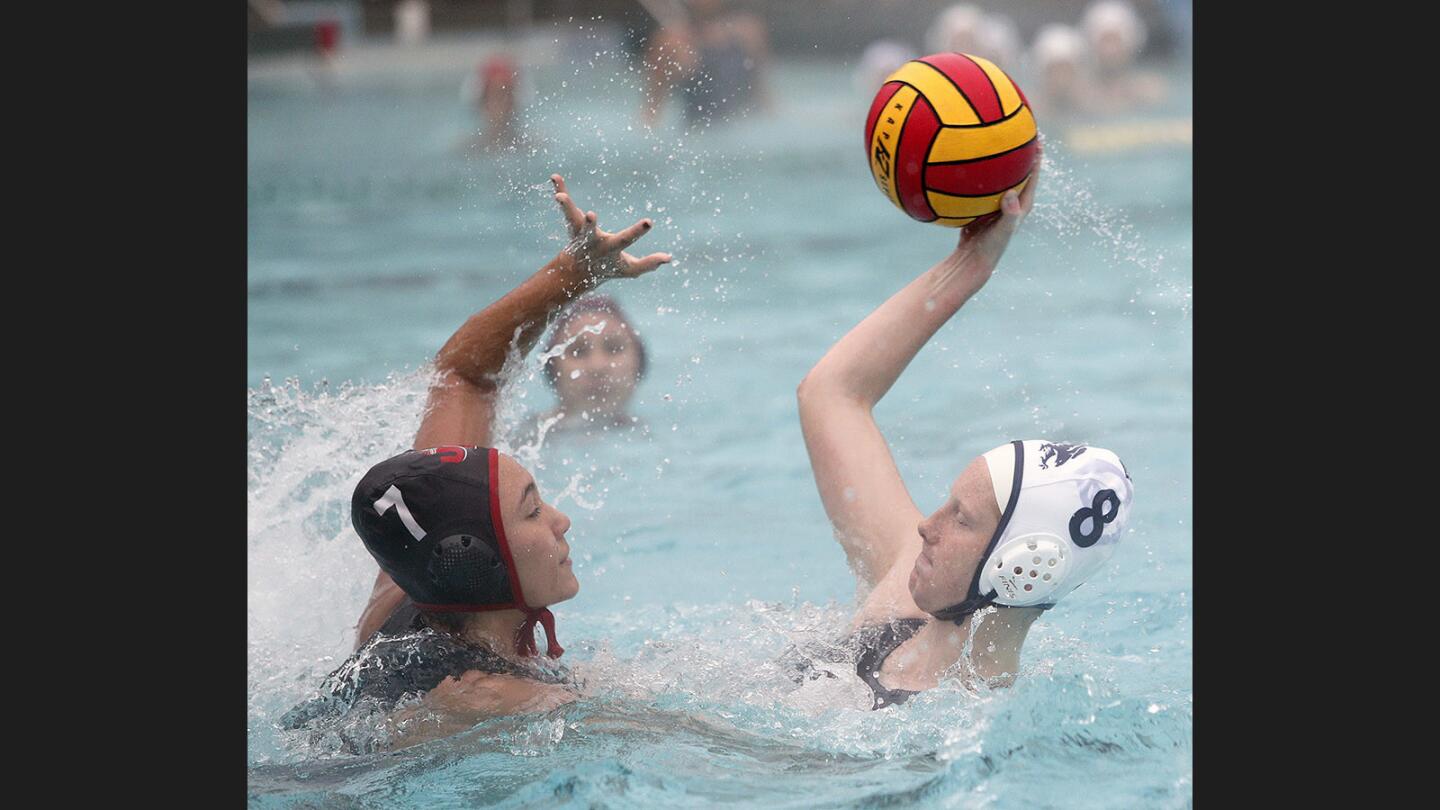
(947, 136)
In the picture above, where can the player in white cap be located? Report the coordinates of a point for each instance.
(1024, 524)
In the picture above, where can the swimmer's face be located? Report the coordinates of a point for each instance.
(954, 538)
(597, 372)
(535, 531)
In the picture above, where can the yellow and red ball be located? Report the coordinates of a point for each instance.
(947, 135)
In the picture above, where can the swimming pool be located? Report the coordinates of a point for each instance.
(700, 543)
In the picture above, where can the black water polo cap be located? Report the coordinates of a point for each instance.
(431, 519)
(426, 517)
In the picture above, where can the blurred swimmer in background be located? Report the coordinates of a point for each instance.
(493, 90)
(594, 362)
(1064, 85)
(965, 28)
(1022, 525)
(960, 28)
(716, 55)
(470, 555)
(1116, 35)
(957, 29)
(879, 59)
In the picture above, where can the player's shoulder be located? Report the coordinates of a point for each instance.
(499, 693)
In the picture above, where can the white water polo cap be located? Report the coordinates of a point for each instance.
(1063, 507)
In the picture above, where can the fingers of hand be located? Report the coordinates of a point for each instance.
(573, 217)
(1027, 197)
(627, 237)
(641, 266)
(1012, 213)
(1010, 204)
(981, 224)
(559, 183)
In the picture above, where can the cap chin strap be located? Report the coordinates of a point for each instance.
(525, 636)
(974, 600)
(957, 613)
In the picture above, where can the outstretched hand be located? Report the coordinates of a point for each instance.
(599, 253)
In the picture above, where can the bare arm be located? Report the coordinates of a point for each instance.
(668, 61)
(459, 703)
(864, 496)
(755, 35)
(461, 405)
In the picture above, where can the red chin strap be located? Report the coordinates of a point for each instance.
(525, 636)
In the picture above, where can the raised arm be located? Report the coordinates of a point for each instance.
(872, 512)
(461, 404)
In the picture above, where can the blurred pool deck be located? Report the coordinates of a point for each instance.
(375, 57)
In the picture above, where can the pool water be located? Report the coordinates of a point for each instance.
(701, 546)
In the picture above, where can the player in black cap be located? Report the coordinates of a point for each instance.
(470, 555)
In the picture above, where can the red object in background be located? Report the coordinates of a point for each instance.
(498, 71)
(327, 36)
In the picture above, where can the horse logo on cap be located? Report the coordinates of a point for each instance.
(1061, 452)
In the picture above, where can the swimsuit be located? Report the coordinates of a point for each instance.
(881, 641)
(868, 648)
(405, 657)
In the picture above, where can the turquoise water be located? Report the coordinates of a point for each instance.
(701, 546)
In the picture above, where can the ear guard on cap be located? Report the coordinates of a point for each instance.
(462, 565)
(1026, 570)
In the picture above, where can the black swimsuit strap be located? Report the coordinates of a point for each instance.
(872, 658)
